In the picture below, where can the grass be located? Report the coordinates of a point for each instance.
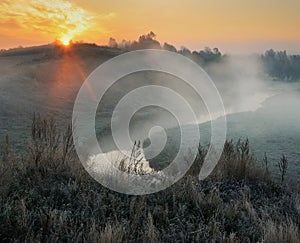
(47, 196)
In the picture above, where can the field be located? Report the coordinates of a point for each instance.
(47, 196)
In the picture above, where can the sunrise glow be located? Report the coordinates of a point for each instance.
(65, 40)
(191, 23)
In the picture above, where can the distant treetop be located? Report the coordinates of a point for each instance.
(281, 66)
(148, 41)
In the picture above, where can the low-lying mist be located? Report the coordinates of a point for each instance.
(255, 104)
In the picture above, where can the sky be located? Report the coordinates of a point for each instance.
(234, 26)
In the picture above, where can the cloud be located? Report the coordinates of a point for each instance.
(58, 19)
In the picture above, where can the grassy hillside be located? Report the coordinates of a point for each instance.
(46, 195)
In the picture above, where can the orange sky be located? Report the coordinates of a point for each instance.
(232, 25)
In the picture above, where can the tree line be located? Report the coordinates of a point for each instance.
(281, 66)
(148, 41)
(278, 65)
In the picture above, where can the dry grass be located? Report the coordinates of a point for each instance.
(284, 231)
(111, 234)
(47, 196)
(236, 163)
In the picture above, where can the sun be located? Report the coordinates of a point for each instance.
(66, 41)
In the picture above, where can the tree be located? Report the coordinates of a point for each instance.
(281, 66)
(146, 42)
(112, 43)
(169, 47)
(125, 44)
(185, 51)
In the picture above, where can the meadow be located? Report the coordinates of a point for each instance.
(46, 195)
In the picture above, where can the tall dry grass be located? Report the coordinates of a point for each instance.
(47, 196)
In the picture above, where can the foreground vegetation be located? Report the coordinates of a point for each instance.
(47, 196)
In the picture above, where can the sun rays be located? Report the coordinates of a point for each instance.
(57, 19)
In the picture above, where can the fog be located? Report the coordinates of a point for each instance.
(256, 106)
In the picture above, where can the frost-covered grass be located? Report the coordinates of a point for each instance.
(47, 196)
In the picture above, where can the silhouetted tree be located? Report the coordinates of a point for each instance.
(281, 66)
(125, 44)
(209, 55)
(169, 47)
(185, 51)
(112, 43)
(146, 42)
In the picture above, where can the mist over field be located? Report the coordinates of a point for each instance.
(47, 188)
(111, 132)
(47, 79)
